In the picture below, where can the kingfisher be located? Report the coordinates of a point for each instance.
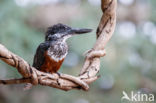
(51, 53)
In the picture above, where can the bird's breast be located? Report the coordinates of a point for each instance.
(54, 57)
(58, 51)
(50, 65)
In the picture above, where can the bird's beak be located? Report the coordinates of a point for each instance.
(79, 31)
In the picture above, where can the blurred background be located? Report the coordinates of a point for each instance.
(130, 63)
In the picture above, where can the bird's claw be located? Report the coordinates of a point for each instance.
(59, 74)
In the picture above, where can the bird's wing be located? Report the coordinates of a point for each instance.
(39, 56)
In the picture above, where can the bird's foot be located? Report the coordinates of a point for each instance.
(59, 74)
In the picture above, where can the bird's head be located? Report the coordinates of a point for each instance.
(63, 32)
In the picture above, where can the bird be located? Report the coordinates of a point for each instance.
(51, 53)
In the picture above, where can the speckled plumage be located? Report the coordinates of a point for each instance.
(56, 51)
(55, 29)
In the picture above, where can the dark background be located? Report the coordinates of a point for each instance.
(130, 63)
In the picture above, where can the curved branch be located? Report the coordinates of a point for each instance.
(104, 33)
(66, 82)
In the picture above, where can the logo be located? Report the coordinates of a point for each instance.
(138, 97)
